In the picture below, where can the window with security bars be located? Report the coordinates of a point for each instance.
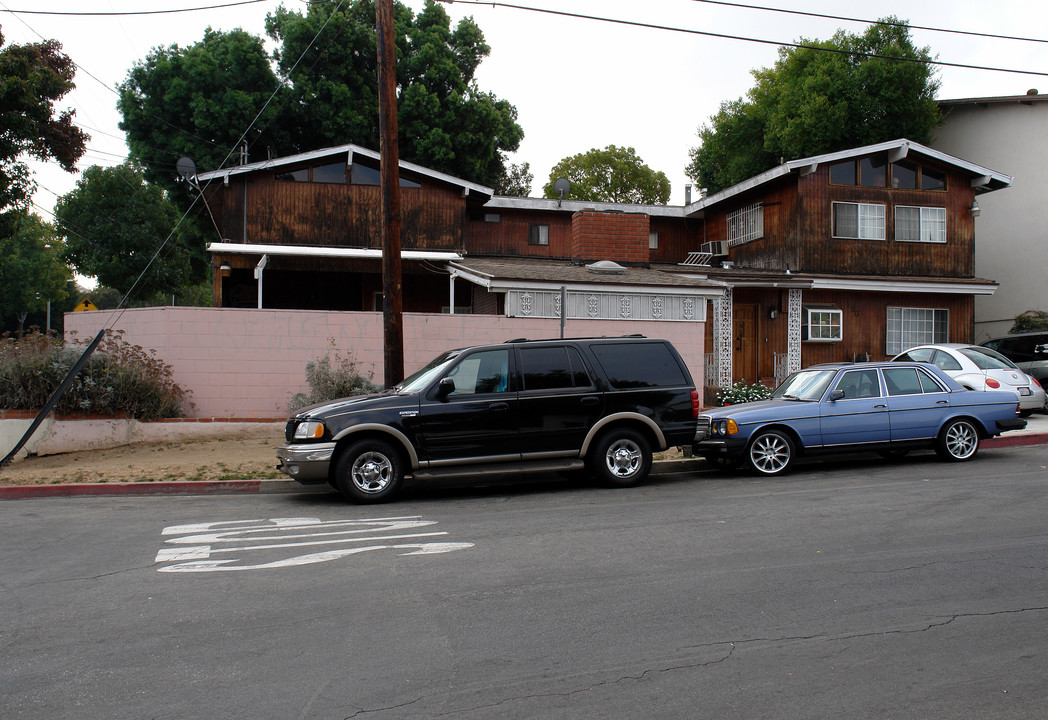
(745, 224)
(859, 221)
(920, 224)
(908, 327)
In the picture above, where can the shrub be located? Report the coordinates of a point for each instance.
(119, 379)
(1030, 320)
(742, 392)
(331, 377)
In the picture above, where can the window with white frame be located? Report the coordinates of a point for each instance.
(920, 224)
(908, 327)
(538, 235)
(859, 221)
(821, 324)
(653, 240)
(745, 224)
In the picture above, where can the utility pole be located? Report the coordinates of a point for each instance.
(392, 301)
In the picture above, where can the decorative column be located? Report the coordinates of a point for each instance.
(793, 330)
(722, 337)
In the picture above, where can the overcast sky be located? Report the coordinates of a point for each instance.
(577, 83)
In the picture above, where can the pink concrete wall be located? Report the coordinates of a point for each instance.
(247, 363)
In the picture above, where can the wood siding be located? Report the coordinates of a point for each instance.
(321, 214)
(798, 229)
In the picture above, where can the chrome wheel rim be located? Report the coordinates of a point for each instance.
(623, 458)
(770, 454)
(372, 472)
(961, 440)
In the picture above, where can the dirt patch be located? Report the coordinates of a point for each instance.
(250, 456)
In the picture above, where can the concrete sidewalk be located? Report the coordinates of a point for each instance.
(1035, 433)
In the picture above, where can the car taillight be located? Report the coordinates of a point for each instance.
(694, 403)
(990, 382)
(1035, 381)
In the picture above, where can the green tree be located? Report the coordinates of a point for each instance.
(445, 121)
(516, 181)
(31, 269)
(849, 91)
(32, 79)
(196, 102)
(613, 174)
(114, 223)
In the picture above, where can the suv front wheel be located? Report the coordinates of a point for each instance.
(369, 471)
(621, 458)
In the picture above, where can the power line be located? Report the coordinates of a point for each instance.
(870, 22)
(724, 36)
(132, 12)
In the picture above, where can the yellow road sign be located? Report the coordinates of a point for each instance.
(85, 304)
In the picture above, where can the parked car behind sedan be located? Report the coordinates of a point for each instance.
(890, 407)
(1028, 350)
(980, 368)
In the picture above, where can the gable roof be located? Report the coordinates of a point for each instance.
(983, 179)
(349, 151)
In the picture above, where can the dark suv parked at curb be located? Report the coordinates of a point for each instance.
(1028, 350)
(601, 404)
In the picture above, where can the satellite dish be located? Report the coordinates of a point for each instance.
(187, 169)
(561, 187)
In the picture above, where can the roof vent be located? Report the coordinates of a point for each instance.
(606, 267)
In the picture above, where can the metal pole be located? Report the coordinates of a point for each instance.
(392, 301)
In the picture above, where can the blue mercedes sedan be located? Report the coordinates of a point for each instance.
(886, 407)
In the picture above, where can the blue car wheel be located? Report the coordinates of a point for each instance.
(770, 452)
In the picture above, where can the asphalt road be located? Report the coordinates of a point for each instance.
(870, 589)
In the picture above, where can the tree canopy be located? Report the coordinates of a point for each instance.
(849, 91)
(198, 100)
(33, 78)
(612, 174)
(114, 222)
(31, 269)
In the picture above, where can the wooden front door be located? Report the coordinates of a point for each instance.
(744, 345)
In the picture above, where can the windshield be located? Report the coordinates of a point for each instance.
(987, 359)
(804, 385)
(421, 378)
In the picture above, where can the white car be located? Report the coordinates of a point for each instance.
(980, 368)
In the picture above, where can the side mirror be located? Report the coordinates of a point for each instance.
(836, 395)
(445, 387)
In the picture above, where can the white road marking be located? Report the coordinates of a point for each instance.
(201, 542)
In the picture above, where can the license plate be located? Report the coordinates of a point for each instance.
(1024, 391)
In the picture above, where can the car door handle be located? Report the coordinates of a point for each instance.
(942, 402)
(880, 406)
(498, 407)
(590, 401)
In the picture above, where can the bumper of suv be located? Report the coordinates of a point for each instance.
(307, 463)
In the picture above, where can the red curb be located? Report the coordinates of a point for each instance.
(1015, 440)
(177, 487)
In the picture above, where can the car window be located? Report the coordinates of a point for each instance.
(928, 384)
(916, 355)
(482, 372)
(635, 365)
(987, 359)
(902, 381)
(859, 384)
(550, 368)
(945, 361)
(805, 385)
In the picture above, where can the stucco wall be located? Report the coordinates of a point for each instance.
(247, 363)
(1011, 232)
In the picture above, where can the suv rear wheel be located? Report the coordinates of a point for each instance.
(369, 471)
(621, 458)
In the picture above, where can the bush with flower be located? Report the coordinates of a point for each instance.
(742, 392)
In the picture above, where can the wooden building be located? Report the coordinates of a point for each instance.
(860, 253)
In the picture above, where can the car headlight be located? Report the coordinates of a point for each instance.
(309, 430)
(725, 427)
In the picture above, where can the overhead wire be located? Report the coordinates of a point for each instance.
(743, 38)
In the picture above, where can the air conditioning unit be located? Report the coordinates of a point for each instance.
(717, 248)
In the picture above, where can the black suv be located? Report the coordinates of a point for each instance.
(554, 405)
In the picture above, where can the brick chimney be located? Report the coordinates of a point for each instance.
(620, 237)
